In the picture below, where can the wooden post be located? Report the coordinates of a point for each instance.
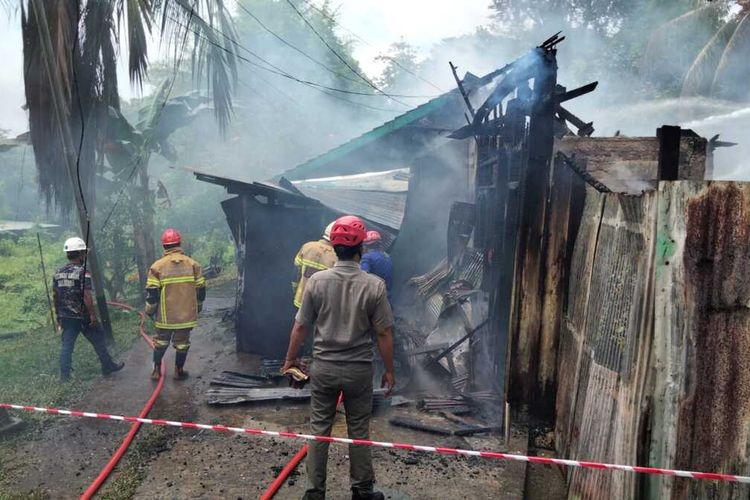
(669, 152)
(69, 154)
(531, 240)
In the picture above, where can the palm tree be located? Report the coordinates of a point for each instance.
(87, 37)
(68, 98)
(704, 50)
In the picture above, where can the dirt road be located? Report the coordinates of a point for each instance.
(189, 464)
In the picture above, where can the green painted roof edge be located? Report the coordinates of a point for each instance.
(374, 134)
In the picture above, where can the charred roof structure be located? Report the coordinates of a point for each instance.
(596, 282)
(398, 177)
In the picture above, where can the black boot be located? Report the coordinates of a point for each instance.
(358, 494)
(112, 368)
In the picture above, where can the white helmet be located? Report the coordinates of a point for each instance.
(75, 244)
(327, 232)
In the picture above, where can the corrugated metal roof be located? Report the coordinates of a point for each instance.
(321, 165)
(391, 180)
(381, 207)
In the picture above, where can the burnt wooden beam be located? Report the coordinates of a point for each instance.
(414, 424)
(582, 173)
(585, 129)
(461, 89)
(669, 152)
(528, 290)
(457, 343)
(572, 94)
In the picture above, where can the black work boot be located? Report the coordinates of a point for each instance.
(114, 367)
(358, 494)
(156, 372)
(180, 373)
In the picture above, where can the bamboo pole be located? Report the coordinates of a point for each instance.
(46, 285)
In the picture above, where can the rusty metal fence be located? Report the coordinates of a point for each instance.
(654, 352)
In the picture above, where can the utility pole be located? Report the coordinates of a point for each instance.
(61, 114)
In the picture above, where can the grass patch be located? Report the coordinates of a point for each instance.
(30, 364)
(130, 474)
(29, 374)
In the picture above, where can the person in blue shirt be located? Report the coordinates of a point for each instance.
(376, 261)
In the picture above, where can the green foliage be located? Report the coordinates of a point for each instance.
(22, 286)
(400, 64)
(29, 374)
(19, 194)
(30, 365)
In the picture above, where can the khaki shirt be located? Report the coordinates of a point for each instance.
(347, 306)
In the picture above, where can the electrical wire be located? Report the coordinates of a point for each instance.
(275, 69)
(339, 56)
(87, 235)
(280, 72)
(321, 64)
(292, 46)
(393, 60)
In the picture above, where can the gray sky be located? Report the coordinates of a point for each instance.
(380, 22)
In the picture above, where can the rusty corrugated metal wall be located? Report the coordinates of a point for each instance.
(654, 363)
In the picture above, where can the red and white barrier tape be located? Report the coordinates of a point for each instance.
(711, 476)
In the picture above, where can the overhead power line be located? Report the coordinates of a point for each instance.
(355, 35)
(330, 91)
(294, 47)
(339, 56)
(282, 72)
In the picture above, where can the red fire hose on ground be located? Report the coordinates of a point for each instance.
(274, 487)
(107, 470)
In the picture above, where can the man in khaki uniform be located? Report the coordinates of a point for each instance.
(314, 256)
(175, 291)
(347, 307)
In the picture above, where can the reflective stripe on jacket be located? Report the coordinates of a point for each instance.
(314, 256)
(178, 278)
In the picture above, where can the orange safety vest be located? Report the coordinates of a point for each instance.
(178, 277)
(314, 256)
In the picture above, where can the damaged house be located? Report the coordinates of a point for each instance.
(531, 263)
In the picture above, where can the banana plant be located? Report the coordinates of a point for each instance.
(128, 150)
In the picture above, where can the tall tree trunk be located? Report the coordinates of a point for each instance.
(143, 227)
(62, 114)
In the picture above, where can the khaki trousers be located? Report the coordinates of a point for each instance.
(327, 380)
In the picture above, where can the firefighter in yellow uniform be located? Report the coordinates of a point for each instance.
(314, 256)
(175, 291)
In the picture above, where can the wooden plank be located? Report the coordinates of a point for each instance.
(630, 164)
(569, 364)
(556, 262)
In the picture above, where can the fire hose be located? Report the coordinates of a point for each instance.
(107, 470)
(274, 487)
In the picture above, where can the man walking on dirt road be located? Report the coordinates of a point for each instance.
(74, 309)
(347, 307)
(175, 290)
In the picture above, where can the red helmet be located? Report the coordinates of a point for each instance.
(372, 237)
(348, 230)
(170, 237)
